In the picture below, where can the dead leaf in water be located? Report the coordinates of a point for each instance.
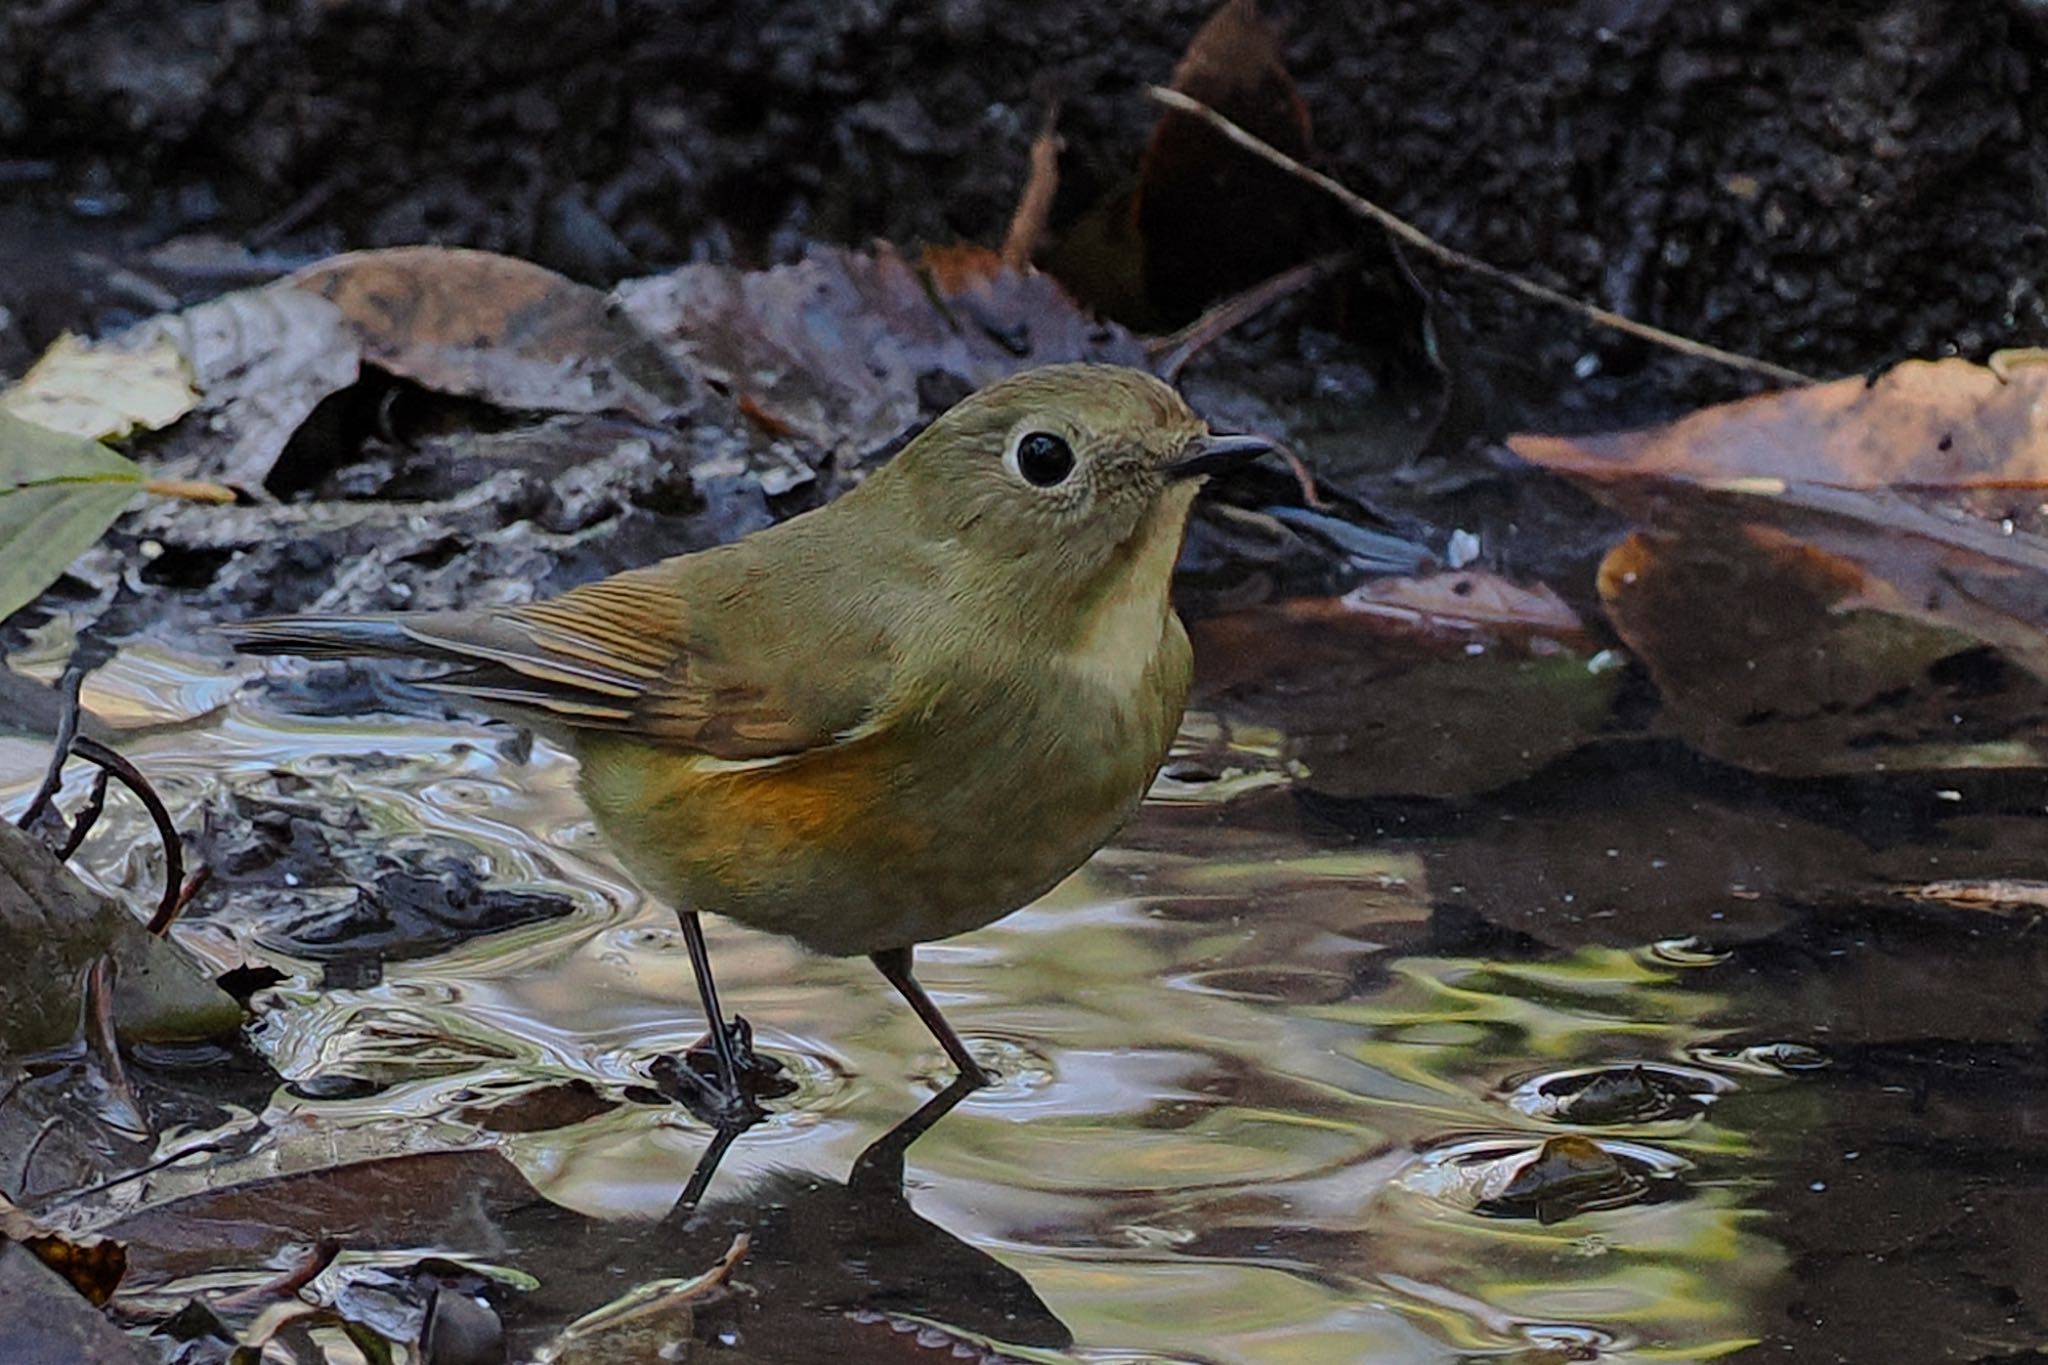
(1442, 685)
(91, 1265)
(1463, 607)
(1994, 895)
(411, 1200)
(1571, 1174)
(539, 1109)
(1565, 1176)
(1826, 564)
(1767, 657)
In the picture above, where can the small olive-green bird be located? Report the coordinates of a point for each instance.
(890, 720)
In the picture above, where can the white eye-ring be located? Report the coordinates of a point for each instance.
(1040, 458)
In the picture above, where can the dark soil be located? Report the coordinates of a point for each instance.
(1829, 185)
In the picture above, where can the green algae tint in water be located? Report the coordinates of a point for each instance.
(1261, 1101)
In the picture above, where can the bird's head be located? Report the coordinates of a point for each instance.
(1059, 485)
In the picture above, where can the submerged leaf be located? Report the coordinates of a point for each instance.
(1827, 565)
(1444, 685)
(1782, 658)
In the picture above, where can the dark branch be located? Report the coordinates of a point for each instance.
(88, 816)
(129, 776)
(67, 731)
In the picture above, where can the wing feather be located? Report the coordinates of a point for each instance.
(621, 654)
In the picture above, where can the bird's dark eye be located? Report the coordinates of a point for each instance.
(1044, 459)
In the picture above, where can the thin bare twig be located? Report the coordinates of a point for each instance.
(649, 1300)
(1429, 246)
(70, 742)
(28, 1158)
(1174, 350)
(295, 213)
(317, 1258)
(1034, 205)
(218, 1145)
(191, 490)
(103, 1044)
(1310, 495)
(193, 885)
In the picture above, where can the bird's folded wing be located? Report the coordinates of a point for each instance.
(620, 655)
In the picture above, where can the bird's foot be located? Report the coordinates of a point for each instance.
(698, 1082)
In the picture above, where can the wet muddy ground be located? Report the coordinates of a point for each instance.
(1426, 1013)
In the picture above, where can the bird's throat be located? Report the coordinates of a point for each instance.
(1122, 629)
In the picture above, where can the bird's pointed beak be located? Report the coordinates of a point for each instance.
(1211, 452)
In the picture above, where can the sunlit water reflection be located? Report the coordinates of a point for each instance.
(1252, 1107)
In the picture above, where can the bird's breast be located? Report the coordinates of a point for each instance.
(939, 818)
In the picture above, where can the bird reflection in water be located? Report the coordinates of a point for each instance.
(832, 1272)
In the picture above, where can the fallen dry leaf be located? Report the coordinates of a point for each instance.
(506, 331)
(262, 361)
(103, 391)
(1212, 219)
(91, 1265)
(849, 351)
(1997, 895)
(1463, 605)
(1940, 425)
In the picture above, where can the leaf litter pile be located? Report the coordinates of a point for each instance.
(1826, 592)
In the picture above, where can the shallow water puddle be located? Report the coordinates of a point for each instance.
(1273, 1088)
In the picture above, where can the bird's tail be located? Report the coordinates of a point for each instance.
(333, 637)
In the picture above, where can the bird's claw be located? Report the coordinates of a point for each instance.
(698, 1082)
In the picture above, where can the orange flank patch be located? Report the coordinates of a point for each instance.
(825, 801)
(741, 823)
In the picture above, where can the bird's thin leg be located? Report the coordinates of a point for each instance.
(879, 1169)
(894, 963)
(707, 1167)
(707, 991)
